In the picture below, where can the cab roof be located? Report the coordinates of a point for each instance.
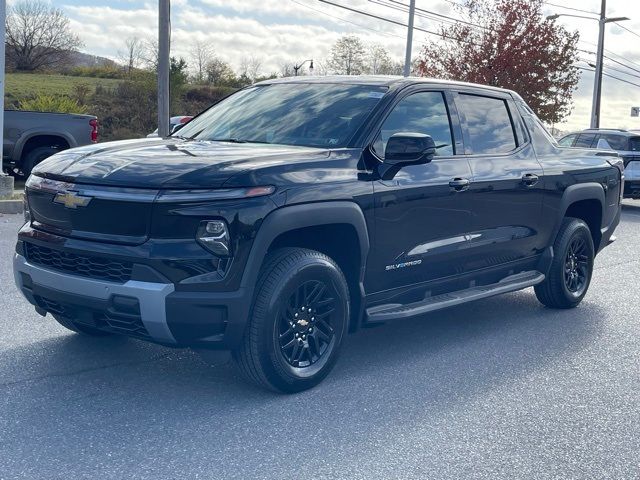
(379, 80)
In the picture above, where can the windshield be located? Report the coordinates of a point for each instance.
(312, 115)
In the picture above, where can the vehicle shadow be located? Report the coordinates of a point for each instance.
(132, 396)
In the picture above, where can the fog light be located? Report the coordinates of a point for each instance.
(213, 235)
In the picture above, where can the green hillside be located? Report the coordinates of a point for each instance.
(26, 85)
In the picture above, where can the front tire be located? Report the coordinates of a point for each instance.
(570, 273)
(299, 319)
(34, 157)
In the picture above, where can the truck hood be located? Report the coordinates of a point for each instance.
(168, 163)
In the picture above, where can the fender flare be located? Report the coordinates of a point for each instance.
(577, 193)
(29, 134)
(295, 217)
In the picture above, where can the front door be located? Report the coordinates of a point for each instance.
(424, 214)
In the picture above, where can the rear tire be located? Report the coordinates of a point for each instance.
(81, 329)
(34, 157)
(299, 318)
(570, 273)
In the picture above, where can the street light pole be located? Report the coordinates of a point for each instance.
(164, 33)
(407, 58)
(597, 83)
(296, 68)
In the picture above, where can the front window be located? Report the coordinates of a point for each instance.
(634, 144)
(312, 115)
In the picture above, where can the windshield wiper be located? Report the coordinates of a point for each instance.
(236, 140)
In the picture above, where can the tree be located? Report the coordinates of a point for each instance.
(38, 36)
(219, 72)
(347, 56)
(379, 60)
(133, 54)
(509, 44)
(250, 68)
(200, 55)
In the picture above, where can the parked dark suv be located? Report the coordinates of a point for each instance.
(297, 210)
(626, 143)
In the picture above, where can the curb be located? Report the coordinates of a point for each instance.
(11, 206)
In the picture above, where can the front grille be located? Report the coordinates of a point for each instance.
(110, 320)
(86, 266)
(124, 324)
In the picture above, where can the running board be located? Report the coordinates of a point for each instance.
(394, 311)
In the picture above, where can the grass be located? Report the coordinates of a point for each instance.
(20, 86)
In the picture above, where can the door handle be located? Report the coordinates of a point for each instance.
(459, 184)
(530, 179)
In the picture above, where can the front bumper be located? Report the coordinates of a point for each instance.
(151, 311)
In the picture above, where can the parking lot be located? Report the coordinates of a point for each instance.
(502, 388)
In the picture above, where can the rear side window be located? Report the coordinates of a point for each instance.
(634, 144)
(616, 142)
(488, 123)
(567, 141)
(585, 140)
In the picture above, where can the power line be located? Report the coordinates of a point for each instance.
(570, 8)
(395, 22)
(611, 76)
(429, 13)
(609, 67)
(347, 21)
(628, 30)
(614, 60)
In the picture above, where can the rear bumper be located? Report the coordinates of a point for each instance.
(149, 311)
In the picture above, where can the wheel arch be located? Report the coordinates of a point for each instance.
(587, 202)
(35, 139)
(333, 228)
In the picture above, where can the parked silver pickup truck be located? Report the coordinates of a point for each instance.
(30, 137)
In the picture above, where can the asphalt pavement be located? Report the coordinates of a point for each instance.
(499, 389)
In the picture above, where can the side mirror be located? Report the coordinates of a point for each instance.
(409, 149)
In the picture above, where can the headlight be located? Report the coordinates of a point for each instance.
(213, 235)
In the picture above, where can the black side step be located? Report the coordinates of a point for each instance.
(393, 311)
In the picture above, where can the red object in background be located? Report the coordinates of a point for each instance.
(94, 130)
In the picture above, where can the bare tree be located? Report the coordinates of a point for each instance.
(38, 36)
(347, 56)
(201, 53)
(150, 53)
(133, 54)
(287, 70)
(250, 67)
(379, 60)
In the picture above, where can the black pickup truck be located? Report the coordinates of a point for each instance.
(298, 210)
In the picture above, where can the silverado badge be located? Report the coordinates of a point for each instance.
(72, 199)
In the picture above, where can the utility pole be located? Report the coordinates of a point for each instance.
(597, 83)
(164, 35)
(407, 58)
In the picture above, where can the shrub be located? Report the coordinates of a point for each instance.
(50, 103)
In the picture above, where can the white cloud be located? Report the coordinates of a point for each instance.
(279, 31)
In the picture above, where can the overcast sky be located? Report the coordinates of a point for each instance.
(280, 31)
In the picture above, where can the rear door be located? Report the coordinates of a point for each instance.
(508, 182)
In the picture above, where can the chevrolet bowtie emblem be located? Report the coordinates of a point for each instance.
(72, 199)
